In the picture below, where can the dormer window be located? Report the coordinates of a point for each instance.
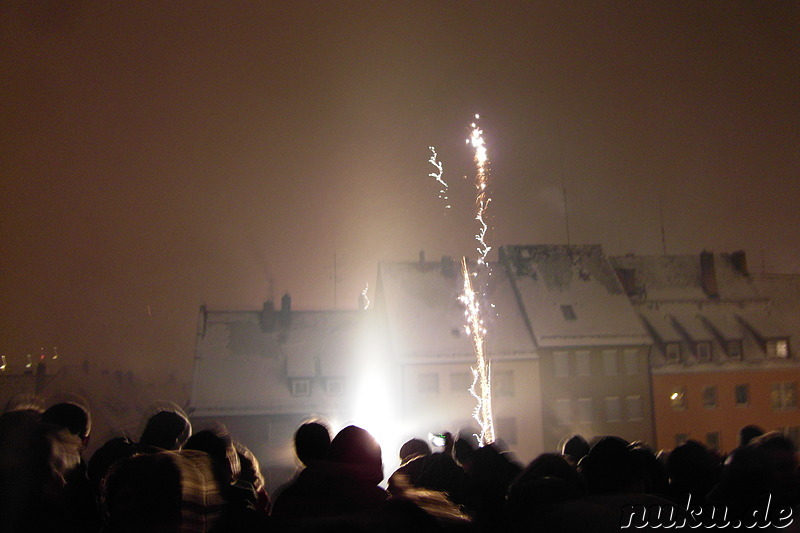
(673, 352)
(300, 387)
(778, 348)
(334, 386)
(568, 312)
(734, 349)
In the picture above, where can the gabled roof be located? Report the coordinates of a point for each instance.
(242, 367)
(572, 297)
(425, 318)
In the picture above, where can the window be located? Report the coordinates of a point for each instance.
(334, 386)
(610, 362)
(681, 438)
(793, 433)
(428, 384)
(712, 440)
(460, 381)
(584, 363)
(734, 349)
(783, 396)
(561, 363)
(506, 429)
(677, 397)
(562, 413)
(710, 396)
(503, 383)
(585, 410)
(301, 387)
(635, 407)
(673, 353)
(741, 394)
(613, 409)
(568, 312)
(631, 362)
(778, 348)
(704, 352)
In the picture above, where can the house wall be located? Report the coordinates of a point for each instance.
(448, 405)
(696, 421)
(583, 399)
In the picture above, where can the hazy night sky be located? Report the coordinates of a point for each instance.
(160, 155)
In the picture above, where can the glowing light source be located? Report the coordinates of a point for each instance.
(3, 366)
(674, 396)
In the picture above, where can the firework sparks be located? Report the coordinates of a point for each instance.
(481, 384)
(438, 175)
(364, 298)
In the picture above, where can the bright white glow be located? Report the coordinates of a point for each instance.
(674, 396)
(29, 363)
(3, 366)
(365, 299)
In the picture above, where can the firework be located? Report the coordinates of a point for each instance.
(438, 175)
(481, 383)
(364, 298)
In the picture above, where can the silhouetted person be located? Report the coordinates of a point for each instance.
(748, 433)
(412, 448)
(311, 442)
(575, 448)
(167, 429)
(692, 471)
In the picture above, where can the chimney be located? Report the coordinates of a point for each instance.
(268, 316)
(286, 310)
(627, 277)
(739, 261)
(708, 274)
(422, 259)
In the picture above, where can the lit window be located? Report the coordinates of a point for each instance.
(585, 410)
(610, 362)
(613, 409)
(631, 362)
(584, 363)
(783, 396)
(568, 312)
(673, 353)
(635, 407)
(562, 413)
(734, 349)
(503, 383)
(710, 396)
(561, 363)
(677, 397)
(704, 351)
(301, 387)
(428, 384)
(778, 348)
(712, 440)
(741, 394)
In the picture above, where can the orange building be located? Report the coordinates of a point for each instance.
(722, 352)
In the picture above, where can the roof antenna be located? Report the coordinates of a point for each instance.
(566, 209)
(663, 235)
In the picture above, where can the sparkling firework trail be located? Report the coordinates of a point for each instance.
(481, 385)
(364, 298)
(438, 175)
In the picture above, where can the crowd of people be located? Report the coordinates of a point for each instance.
(173, 480)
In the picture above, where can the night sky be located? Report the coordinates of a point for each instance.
(160, 155)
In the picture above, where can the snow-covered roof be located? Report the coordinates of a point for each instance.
(426, 319)
(572, 297)
(679, 277)
(245, 367)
